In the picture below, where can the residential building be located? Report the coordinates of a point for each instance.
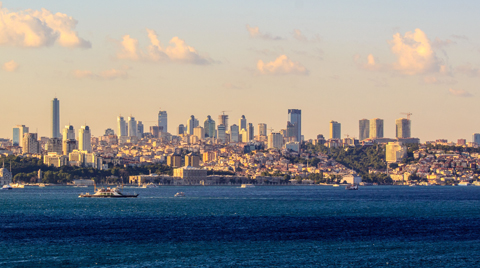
(262, 129)
(84, 139)
(199, 132)
(234, 133)
(364, 129)
(223, 120)
(221, 134)
(402, 128)
(376, 128)
(54, 145)
(192, 160)
(335, 130)
(30, 143)
(275, 140)
(132, 126)
(209, 126)
(395, 152)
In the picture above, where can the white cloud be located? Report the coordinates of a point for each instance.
(469, 70)
(438, 43)
(297, 34)
(176, 51)
(255, 33)
(282, 65)
(10, 66)
(459, 93)
(37, 28)
(104, 75)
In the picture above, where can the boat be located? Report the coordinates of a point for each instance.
(351, 187)
(107, 193)
(412, 185)
(81, 186)
(7, 187)
(17, 185)
(150, 185)
(248, 185)
(336, 185)
(180, 194)
(464, 183)
(41, 185)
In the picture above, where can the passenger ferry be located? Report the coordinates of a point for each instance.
(7, 187)
(107, 193)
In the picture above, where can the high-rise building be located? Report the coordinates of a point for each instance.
(162, 120)
(30, 143)
(244, 134)
(199, 132)
(295, 118)
(69, 143)
(191, 124)
(275, 140)
(140, 129)
(68, 133)
(376, 128)
(181, 129)
(234, 133)
(242, 123)
(56, 118)
(223, 120)
(364, 129)
(109, 131)
(132, 126)
(84, 139)
(155, 131)
(251, 131)
(395, 152)
(402, 126)
(335, 130)
(54, 145)
(221, 134)
(291, 132)
(18, 133)
(476, 138)
(121, 127)
(209, 126)
(262, 129)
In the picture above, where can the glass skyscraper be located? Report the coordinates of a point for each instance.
(295, 118)
(56, 118)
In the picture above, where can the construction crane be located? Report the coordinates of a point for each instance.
(271, 130)
(225, 112)
(408, 115)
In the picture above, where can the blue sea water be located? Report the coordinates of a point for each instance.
(271, 226)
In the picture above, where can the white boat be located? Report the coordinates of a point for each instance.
(150, 185)
(7, 187)
(180, 194)
(336, 185)
(17, 185)
(41, 185)
(351, 187)
(464, 183)
(247, 185)
(412, 185)
(81, 186)
(108, 193)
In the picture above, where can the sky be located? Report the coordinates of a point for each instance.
(334, 60)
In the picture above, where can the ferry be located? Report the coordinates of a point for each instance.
(107, 193)
(180, 194)
(247, 185)
(351, 187)
(7, 187)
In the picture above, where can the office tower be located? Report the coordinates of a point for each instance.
(291, 132)
(56, 118)
(244, 135)
(121, 127)
(109, 131)
(221, 133)
(181, 129)
(395, 152)
(69, 146)
(162, 120)
(140, 129)
(155, 131)
(284, 133)
(335, 130)
(199, 132)
(30, 144)
(234, 133)
(132, 126)
(68, 133)
(295, 118)
(251, 131)
(242, 123)
(191, 124)
(476, 138)
(84, 139)
(54, 145)
(275, 140)
(209, 126)
(402, 127)
(364, 129)
(376, 128)
(18, 133)
(223, 120)
(262, 129)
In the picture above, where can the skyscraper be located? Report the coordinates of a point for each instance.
(242, 123)
(295, 118)
(251, 131)
(68, 133)
(221, 133)
(191, 124)
(376, 128)
(199, 132)
(122, 127)
(209, 126)
(402, 127)
(84, 139)
(476, 138)
(335, 130)
(140, 129)
(181, 129)
(223, 120)
(56, 118)
(234, 132)
(132, 126)
(69, 143)
(262, 129)
(30, 143)
(364, 129)
(275, 140)
(162, 120)
(18, 133)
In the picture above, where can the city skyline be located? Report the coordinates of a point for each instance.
(258, 65)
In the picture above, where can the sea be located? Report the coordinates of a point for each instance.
(229, 226)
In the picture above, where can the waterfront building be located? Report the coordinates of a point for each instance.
(262, 129)
(199, 132)
(376, 128)
(56, 118)
(18, 133)
(234, 133)
(242, 123)
(55, 159)
(30, 143)
(364, 129)
(295, 118)
(132, 126)
(192, 160)
(476, 138)
(84, 139)
(402, 128)
(163, 121)
(121, 127)
(181, 129)
(223, 120)
(209, 126)
(275, 140)
(6, 177)
(395, 152)
(335, 130)
(221, 137)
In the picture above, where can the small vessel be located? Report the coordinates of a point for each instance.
(248, 185)
(81, 186)
(351, 187)
(180, 194)
(41, 185)
(336, 185)
(7, 187)
(464, 183)
(412, 185)
(107, 193)
(150, 185)
(17, 185)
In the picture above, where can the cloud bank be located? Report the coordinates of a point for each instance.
(459, 93)
(38, 28)
(281, 66)
(176, 51)
(297, 34)
(254, 32)
(10, 66)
